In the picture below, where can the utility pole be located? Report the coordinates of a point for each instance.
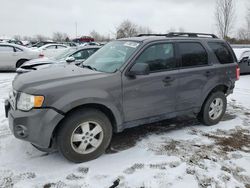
(76, 28)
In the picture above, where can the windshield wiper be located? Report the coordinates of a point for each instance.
(89, 67)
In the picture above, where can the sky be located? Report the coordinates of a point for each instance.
(32, 17)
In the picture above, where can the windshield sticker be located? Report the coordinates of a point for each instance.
(131, 44)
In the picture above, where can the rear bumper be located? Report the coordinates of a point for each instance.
(35, 126)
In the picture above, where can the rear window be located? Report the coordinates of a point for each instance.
(222, 52)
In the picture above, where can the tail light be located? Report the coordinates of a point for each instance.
(41, 55)
(237, 72)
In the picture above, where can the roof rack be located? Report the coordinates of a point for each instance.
(181, 34)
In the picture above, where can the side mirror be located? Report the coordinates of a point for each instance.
(139, 69)
(70, 59)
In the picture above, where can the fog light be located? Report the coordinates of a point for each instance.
(21, 131)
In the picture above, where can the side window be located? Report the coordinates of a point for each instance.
(91, 51)
(60, 47)
(222, 52)
(192, 54)
(158, 57)
(82, 54)
(6, 49)
(51, 47)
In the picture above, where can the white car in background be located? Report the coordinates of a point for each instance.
(13, 56)
(52, 50)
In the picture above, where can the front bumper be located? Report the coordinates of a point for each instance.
(35, 126)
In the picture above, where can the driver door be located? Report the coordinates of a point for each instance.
(152, 95)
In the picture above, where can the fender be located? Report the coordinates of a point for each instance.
(85, 96)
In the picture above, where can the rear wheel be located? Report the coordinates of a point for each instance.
(85, 135)
(213, 109)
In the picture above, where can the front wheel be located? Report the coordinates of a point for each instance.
(213, 109)
(84, 135)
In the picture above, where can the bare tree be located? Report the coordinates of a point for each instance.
(244, 32)
(225, 15)
(248, 23)
(172, 29)
(40, 37)
(126, 29)
(60, 37)
(130, 29)
(144, 30)
(17, 37)
(98, 37)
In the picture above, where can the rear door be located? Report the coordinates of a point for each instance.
(7, 57)
(154, 94)
(50, 51)
(195, 73)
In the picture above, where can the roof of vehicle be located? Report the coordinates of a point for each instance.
(14, 45)
(76, 48)
(53, 44)
(173, 36)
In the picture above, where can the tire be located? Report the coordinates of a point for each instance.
(20, 62)
(84, 135)
(213, 109)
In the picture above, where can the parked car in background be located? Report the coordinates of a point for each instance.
(14, 41)
(71, 55)
(52, 50)
(13, 56)
(243, 57)
(41, 43)
(71, 44)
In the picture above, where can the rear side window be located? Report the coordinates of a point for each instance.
(193, 54)
(60, 47)
(6, 49)
(51, 47)
(222, 52)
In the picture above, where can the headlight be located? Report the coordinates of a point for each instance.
(26, 101)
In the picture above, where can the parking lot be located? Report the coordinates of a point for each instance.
(173, 153)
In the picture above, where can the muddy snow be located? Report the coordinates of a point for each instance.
(174, 153)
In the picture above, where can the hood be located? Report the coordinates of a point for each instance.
(47, 78)
(36, 64)
(43, 60)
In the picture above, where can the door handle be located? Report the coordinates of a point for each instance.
(168, 79)
(208, 73)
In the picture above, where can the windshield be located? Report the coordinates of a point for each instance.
(64, 54)
(112, 56)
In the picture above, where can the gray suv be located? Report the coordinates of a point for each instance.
(128, 82)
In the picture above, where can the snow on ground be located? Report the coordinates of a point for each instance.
(173, 153)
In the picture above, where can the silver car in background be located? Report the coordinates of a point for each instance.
(13, 56)
(74, 55)
(243, 57)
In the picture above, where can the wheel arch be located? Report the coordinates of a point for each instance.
(104, 109)
(220, 87)
(21, 60)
